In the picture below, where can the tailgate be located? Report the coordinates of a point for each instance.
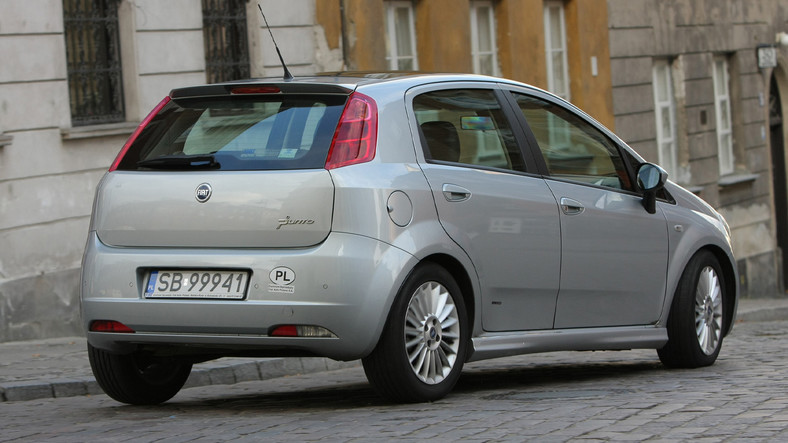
(245, 209)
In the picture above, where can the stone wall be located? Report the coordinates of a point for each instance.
(49, 169)
(689, 34)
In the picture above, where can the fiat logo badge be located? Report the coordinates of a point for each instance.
(203, 192)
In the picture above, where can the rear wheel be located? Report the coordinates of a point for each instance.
(695, 322)
(423, 346)
(138, 378)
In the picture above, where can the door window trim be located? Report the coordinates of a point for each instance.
(530, 163)
(532, 144)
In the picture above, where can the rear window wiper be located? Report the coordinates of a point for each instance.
(201, 161)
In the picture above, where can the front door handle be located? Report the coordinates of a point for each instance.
(571, 207)
(454, 193)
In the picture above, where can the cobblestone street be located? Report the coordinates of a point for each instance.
(620, 396)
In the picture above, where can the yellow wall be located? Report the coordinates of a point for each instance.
(443, 42)
(364, 35)
(587, 37)
(443, 35)
(521, 41)
(329, 15)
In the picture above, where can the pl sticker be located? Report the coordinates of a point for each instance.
(282, 279)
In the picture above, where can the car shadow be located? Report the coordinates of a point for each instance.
(486, 382)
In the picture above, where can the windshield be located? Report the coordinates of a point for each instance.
(238, 133)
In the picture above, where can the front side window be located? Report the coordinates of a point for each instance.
(483, 48)
(401, 36)
(225, 40)
(722, 108)
(555, 49)
(467, 126)
(665, 114)
(572, 148)
(93, 61)
(238, 133)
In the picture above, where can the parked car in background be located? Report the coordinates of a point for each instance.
(413, 221)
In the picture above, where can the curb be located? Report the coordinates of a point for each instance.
(771, 314)
(224, 371)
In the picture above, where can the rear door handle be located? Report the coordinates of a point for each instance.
(454, 193)
(571, 207)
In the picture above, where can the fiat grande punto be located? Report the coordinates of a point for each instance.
(413, 221)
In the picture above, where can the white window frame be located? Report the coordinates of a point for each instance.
(555, 84)
(667, 146)
(722, 110)
(393, 57)
(477, 8)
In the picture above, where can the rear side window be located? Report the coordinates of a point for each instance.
(467, 126)
(238, 133)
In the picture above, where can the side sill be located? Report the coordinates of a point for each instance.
(585, 339)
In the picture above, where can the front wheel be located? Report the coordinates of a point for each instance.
(695, 321)
(424, 343)
(138, 378)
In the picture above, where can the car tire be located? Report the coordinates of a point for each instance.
(137, 378)
(424, 343)
(696, 318)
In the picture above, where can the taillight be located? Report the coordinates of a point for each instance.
(356, 135)
(109, 326)
(137, 132)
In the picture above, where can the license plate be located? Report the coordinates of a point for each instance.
(207, 284)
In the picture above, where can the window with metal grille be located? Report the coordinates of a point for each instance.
(226, 41)
(93, 58)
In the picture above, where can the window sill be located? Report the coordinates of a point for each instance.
(94, 131)
(735, 179)
(5, 140)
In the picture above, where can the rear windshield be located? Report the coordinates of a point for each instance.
(238, 133)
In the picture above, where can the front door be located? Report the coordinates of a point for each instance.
(614, 253)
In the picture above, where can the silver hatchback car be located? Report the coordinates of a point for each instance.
(413, 221)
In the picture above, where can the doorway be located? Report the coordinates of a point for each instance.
(778, 173)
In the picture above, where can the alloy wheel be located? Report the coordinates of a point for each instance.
(432, 332)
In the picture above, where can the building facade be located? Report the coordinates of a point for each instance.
(77, 77)
(689, 94)
(679, 80)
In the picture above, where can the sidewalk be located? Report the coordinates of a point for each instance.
(59, 367)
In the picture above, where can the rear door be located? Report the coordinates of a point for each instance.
(505, 218)
(614, 253)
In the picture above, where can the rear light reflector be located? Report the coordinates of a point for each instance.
(356, 135)
(137, 132)
(109, 326)
(302, 331)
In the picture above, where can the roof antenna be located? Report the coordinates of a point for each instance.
(288, 75)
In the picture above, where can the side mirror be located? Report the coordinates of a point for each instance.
(651, 179)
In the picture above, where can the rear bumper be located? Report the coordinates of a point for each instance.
(346, 285)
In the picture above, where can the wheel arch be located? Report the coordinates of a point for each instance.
(730, 280)
(464, 281)
(731, 285)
